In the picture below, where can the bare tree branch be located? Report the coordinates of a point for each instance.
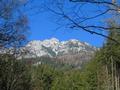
(78, 22)
(96, 2)
(88, 30)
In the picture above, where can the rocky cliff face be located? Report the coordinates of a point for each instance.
(53, 51)
(53, 47)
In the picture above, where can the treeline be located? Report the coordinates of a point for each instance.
(16, 75)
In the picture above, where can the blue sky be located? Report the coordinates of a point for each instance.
(42, 27)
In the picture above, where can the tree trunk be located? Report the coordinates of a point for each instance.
(112, 70)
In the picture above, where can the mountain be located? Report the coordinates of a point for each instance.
(54, 48)
(55, 52)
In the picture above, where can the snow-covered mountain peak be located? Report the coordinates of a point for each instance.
(54, 40)
(74, 40)
(53, 47)
(50, 42)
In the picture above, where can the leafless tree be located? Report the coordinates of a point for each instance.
(89, 15)
(13, 24)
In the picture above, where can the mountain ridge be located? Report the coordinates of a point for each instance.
(53, 47)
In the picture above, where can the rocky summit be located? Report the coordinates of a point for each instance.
(54, 48)
(57, 53)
